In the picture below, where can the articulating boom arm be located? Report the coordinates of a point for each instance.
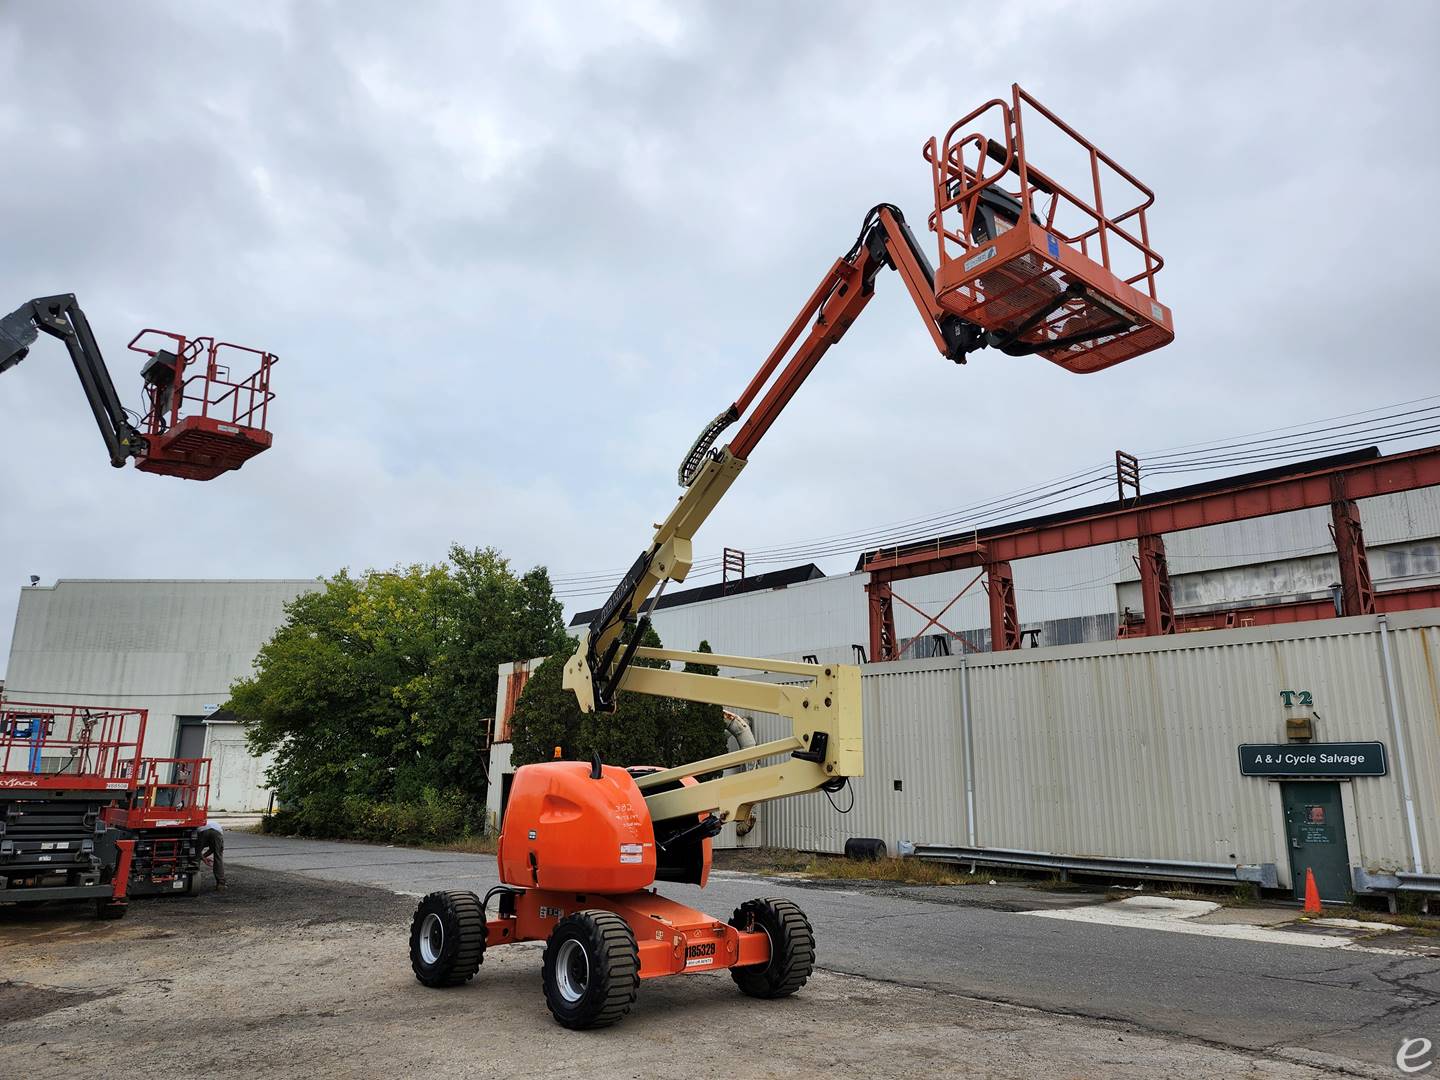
(61, 317)
(603, 659)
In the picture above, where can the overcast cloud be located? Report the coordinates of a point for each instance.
(513, 257)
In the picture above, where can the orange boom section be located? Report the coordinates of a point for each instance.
(1048, 268)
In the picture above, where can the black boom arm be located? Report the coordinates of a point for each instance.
(61, 317)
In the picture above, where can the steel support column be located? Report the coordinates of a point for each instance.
(883, 644)
(1155, 586)
(1357, 593)
(1004, 617)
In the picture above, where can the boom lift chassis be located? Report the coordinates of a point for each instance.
(582, 845)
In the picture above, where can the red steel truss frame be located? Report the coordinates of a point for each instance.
(1336, 484)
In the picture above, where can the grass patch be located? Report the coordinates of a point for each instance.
(1428, 925)
(786, 863)
(1242, 895)
(470, 845)
(902, 871)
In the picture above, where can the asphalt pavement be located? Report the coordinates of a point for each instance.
(1347, 1007)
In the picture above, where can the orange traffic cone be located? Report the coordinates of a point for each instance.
(1312, 894)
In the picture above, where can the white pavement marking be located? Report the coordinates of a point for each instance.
(1176, 917)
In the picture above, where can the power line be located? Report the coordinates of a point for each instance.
(1381, 425)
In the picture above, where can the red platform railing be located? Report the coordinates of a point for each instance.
(50, 747)
(169, 793)
(1058, 274)
(203, 422)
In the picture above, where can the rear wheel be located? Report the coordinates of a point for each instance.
(792, 948)
(591, 972)
(447, 938)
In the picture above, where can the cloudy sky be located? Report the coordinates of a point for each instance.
(512, 257)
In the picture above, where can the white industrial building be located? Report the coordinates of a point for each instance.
(170, 647)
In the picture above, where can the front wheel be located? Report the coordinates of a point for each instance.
(792, 948)
(591, 971)
(447, 938)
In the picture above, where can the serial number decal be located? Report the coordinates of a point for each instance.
(700, 955)
(551, 912)
(978, 260)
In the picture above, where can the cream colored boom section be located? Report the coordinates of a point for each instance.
(827, 701)
(671, 562)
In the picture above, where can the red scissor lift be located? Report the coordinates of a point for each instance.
(199, 420)
(162, 815)
(1063, 271)
(61, 766)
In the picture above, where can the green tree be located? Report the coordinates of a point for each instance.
(546, 716)
(697, 730)
(643, 729)
(377, 686)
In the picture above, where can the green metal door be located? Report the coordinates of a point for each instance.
(1315, 831)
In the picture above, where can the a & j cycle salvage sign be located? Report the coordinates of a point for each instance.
(1313, 759)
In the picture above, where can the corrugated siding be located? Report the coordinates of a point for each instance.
(912, 734)
(1129, 749)
(1417, 660)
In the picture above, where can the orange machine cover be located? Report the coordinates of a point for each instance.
(568, 831)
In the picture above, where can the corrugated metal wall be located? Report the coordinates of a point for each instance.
(1129, 749)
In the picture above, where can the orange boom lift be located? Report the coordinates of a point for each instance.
(1026, 266)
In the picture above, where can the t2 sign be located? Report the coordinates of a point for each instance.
(1313, 759)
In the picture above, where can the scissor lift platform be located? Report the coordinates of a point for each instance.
(61, 767)
(162, 815)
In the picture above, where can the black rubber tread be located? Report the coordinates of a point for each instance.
(609, 945)
(792, 948)
(111, 909)
(462, 920)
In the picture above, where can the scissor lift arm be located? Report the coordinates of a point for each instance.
(61, 317)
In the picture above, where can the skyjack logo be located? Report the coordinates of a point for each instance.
(19, 781)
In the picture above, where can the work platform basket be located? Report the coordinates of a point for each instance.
(199, 420)
(1045, 268)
